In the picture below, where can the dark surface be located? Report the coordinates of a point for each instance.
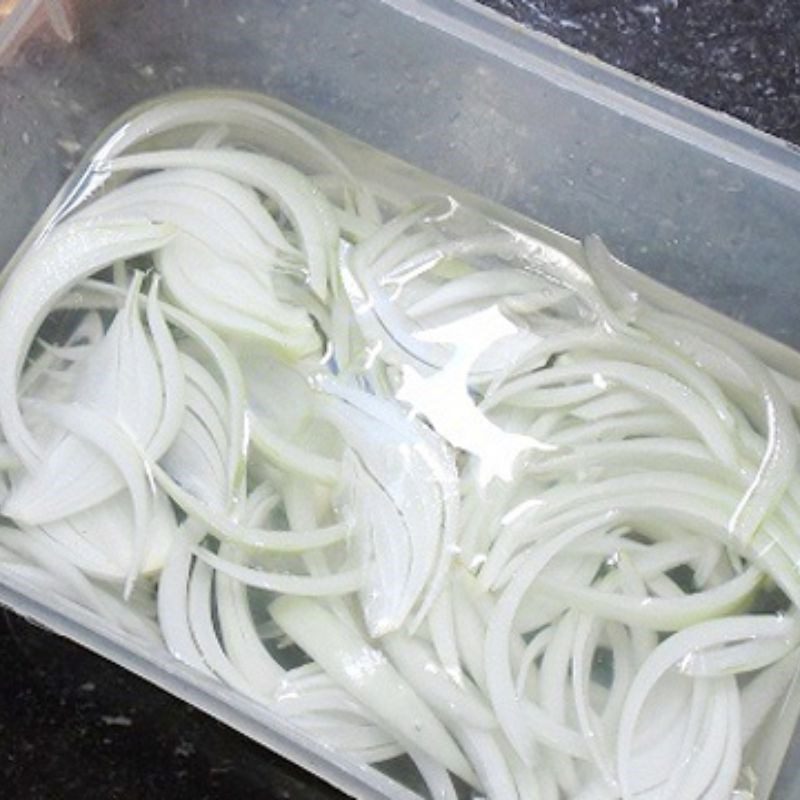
(74, 726)
(737, 56)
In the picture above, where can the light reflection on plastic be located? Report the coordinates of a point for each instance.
(444, 399)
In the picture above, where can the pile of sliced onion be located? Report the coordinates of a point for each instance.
(433, 488)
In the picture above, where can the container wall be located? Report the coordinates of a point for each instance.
(715, 219)
(529, 132)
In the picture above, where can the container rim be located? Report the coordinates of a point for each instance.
(531, 51)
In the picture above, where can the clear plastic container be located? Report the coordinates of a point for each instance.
(700, 203)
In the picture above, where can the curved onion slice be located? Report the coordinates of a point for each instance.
(365, 672)
(120, 382)
(401, 495)
(50, 268)
(309, 210)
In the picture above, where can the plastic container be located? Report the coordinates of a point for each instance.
(700, 203)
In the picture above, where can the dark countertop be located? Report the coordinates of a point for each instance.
(737, 56)
(71, 720)
(73, 725)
